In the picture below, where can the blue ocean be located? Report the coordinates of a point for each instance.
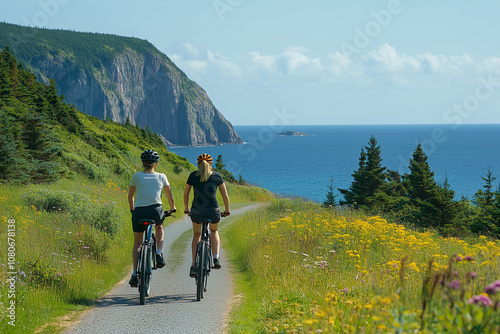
(303, 165)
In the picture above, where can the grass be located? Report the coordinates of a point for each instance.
(305, 269)
(64, 262)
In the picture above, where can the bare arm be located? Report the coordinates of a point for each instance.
(168, 192)
(187, 190)
(225, 197)
(131, 200)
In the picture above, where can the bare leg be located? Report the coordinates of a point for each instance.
(138, 236)
(159, 236)
(215, 241)
(196, 238)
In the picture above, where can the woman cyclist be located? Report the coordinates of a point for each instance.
(147, 187)
(205, 183)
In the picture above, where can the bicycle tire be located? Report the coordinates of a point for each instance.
(142, 275)
(154, 251)
(207, 266)
(200, 282)
(149, 270)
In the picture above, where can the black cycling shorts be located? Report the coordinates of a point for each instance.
(154, 212)
(211, 213)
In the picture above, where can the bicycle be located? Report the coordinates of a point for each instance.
(147, 259)
(203, 259)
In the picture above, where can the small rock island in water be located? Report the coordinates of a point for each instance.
(292, 133)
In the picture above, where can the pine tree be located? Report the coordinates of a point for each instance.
(43, 147)
(368, 179)
(484, 198)
(219, 167)
(330, 200)
(495, 214)
(422, 189)
(219, 164)
(355, 194)
(446, 208)
(486, 201)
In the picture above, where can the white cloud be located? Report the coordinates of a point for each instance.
(492, 65)
(296, 64)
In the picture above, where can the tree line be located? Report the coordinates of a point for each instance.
(29, 110)
(417, 198)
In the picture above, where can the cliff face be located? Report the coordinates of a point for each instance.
(122, 78)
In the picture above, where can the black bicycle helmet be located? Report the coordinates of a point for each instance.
(150, 156)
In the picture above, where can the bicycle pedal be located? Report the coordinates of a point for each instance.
(133, 286)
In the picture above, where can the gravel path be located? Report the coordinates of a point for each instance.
(171, 306)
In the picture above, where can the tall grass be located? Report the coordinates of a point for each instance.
(62, 259)
(309, 269)
(72, 242)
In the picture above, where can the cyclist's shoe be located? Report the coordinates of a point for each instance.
(217, 263)
(133, 281)
(192, 272)
(160, 262)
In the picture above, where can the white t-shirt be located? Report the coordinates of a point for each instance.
(148, 187)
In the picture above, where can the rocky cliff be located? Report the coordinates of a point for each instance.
(121, 78)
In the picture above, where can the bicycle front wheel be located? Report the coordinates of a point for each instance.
(200, 280)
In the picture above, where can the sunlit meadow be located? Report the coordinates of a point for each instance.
(72, 244)
(321, 270)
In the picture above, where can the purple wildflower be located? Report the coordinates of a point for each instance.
(346, 290)
(473, 275)
(481, 300)
(458, 258)
(455, 285)
(468, 258)
(493, 288)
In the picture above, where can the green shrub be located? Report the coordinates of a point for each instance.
(42, 272)
(86, 243)
(84, 167)
(78, 206)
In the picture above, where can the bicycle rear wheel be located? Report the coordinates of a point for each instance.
(153, 257)
(200, 280)
(142, 274)
(207, 264)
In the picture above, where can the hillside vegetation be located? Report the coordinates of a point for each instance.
(63, 205)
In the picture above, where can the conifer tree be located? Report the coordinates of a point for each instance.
(433, 205)
(421, 189)
(330, 200)
(486, 201)
(495, 214)
(368, 179)
(219, 164)
(219, 167)
(484, 198)
(446, 208)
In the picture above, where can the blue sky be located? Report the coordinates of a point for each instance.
(317, 62)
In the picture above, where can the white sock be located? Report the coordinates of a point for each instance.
(158, 251)
(216, 256)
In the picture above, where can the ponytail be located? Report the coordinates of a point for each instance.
(204, 170)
